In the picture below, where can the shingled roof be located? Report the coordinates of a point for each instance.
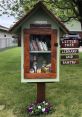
(39, 5)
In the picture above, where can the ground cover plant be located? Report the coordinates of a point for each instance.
(65, 96)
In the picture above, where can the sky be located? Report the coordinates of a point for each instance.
(7, 21)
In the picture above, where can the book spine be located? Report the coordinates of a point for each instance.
(37, 45)
(36, 48)
(31, 47)
(39, 48)
(33, 44)
(46, 46)
(43, 46)
(40, 43)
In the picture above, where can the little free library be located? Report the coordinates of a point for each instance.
(40, 33)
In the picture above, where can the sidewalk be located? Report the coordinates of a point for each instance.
(80, 49)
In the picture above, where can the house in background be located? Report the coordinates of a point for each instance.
(74, 27)
(7, 39)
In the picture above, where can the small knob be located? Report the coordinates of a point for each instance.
(56, 44)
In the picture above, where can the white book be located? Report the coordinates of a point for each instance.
(45, 45)
(31, 47)
(40, 45)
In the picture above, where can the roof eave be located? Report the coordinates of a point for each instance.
(39, 4)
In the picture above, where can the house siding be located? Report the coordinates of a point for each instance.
(6, 40)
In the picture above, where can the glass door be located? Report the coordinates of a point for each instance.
(40, 54)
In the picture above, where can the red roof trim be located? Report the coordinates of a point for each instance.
(40, 4)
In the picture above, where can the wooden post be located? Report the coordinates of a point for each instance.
(40, 92)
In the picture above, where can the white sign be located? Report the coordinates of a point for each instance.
(41, 22)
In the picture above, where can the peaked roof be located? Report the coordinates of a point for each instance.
(39, 5)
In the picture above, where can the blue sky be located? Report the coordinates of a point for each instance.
(7, 21)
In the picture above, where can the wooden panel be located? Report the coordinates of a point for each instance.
(69, 43)
(69, 51)
(26, 54)
(70, 56)
(53, 51)
(40, 75)
(38, 31)
(69, 62)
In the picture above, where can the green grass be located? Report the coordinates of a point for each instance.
(66, 96)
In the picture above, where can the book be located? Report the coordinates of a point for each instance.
(34, 45)
(37, 45)
(40, 46)
(31, 47)
(45, 46)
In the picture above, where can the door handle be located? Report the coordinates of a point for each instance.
(56, 44)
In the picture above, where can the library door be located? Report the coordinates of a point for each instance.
(40, 53)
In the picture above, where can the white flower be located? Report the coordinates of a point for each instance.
(43, 109)
(46, 104)
(39, 107)
(43, 102)
(32, 112)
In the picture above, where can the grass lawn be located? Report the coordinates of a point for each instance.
(66, 96)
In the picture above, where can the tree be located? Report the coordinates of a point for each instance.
(78, 4)
(69, 9)
(11, 7)
(65, 9)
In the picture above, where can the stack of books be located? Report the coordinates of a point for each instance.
(37, 45)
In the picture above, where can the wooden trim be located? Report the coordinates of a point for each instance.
(70, 62)
(26, 53)
(38, 31)
(70, 56)
(41, 31)
(54, 51)
(39, 75)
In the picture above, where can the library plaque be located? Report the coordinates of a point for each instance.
(69, 43)
(70, 56)
(67, 62)
(69, 51)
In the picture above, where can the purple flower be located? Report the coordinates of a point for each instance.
(38, 108)
(30, 109)
(46, 110)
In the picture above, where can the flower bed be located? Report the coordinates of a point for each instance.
(40, 108)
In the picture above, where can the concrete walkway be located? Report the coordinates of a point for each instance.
(80, 49)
